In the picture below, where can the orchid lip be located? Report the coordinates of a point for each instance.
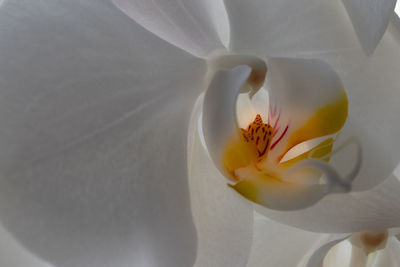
(251, 156)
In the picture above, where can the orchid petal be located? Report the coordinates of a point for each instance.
(307, 101)
(222, 219)
(370, 19)
(289, 28)
(219, 111)
(351, 212)
(373, 109)
(198, 27)
(276, 244)
(92, 106)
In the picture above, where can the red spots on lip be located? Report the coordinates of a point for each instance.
(260, 134)
(265, 135)
(265, 149)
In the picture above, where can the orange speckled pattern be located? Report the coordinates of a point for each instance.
(261, 135)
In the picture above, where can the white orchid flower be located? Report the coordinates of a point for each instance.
(109, 156)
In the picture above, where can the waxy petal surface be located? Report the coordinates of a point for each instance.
(307, 100)
(199, 27)
(92, 107)
(288, 28)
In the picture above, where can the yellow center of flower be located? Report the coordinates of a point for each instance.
(251, 147)
(261, 159)
(260, 135)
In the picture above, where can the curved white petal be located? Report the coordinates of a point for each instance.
(94, 113)
(276, 244)
(223, 220)
(370, 19)
(198, 27)
(219, 110)
(286, 28)
(307, 100)
(352, 212)
(372, 86)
